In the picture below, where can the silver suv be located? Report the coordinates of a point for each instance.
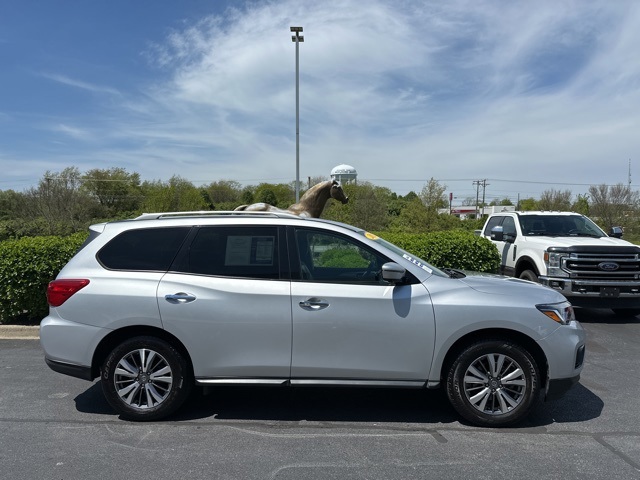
(158, 304)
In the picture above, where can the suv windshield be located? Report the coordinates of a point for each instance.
(559, 226)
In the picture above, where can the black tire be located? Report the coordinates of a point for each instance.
(529, 275)
(626, 312)
(145, 378)
(490, 400)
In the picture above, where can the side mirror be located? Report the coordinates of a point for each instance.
(497, 234)
(615, 232)
(393, 273)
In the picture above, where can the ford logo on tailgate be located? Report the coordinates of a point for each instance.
(608, 266)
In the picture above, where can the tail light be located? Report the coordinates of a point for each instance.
(59, 291)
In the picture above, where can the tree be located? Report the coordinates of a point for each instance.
(398, 202)
(581, 205)
(266, 195)
(277, 194)
(414, 218)
(527, 204)
(432, 195)
(176, 195)
(612, 204)
(555, 200)
(506, 201)
(11, 203)
(60, 201)
(117, 190)
(223, 194)
(370, 206)
(367, 207)
(15, 219)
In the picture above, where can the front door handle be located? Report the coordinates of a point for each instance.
(181, 297)
(313, 304)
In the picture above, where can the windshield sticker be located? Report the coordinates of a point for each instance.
(371, 236)
(417, 262)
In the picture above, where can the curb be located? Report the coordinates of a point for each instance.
(19, 332)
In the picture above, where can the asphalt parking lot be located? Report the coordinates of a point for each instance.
(57, 427)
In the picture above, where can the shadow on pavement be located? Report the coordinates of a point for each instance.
(605, 316)
(362, 405)
(92, 401)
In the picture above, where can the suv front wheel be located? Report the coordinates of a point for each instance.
(493, 383)
(145, 378)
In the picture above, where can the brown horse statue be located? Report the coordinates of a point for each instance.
(311, 204)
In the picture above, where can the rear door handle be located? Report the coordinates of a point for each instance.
(313, 304)
(181, 297)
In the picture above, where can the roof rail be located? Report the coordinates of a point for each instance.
(213, 213)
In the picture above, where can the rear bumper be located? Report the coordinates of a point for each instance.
(69, 346)
(78, 371)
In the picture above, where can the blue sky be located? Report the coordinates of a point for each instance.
(528, 95)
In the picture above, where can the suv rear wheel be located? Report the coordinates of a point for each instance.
(145, 378)
(493, 383)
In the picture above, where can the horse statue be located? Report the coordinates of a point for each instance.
(311, 204)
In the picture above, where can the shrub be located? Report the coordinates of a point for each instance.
(450, 249)
(343, 258)
(27, 265)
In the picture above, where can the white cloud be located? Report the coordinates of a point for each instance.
(74, 132)
(65, 80)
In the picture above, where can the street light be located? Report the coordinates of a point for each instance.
(297, 38)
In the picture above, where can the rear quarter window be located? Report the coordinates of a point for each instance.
(143, 249)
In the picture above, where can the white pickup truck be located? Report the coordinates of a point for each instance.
(570, 253)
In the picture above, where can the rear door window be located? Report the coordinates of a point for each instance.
(233, 251)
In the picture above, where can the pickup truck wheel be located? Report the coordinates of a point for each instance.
(493, 383)
(529, 275)
(145, 378)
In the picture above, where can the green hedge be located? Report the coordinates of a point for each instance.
(450, 249)
(27, 265)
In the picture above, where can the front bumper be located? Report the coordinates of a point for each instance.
(558, 387)
(565, 351)
(596, 293)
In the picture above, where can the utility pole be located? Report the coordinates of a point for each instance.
(484, 184)
(297, 38)
(629, 185)
(477, 184)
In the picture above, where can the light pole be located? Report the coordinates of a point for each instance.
(297, 38)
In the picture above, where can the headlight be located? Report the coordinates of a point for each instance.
(553, 262)
(558, 312)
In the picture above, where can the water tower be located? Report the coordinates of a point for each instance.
(344, 174)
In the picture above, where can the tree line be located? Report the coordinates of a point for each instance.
(69, 201)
